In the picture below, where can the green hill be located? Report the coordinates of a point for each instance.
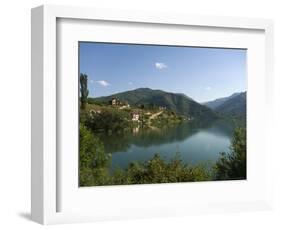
(235, 106)
(218, 102)
(176, 102)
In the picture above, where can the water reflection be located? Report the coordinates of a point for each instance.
(197, 142)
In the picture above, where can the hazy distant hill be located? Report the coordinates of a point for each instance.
(176, 102)
(234, 105)
(217, 102)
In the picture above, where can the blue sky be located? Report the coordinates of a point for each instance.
(201, 73)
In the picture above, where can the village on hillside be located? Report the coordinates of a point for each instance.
(128, 116)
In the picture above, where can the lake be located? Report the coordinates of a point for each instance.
(196, 143)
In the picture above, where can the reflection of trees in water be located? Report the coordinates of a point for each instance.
(222, 128)
(146, 137)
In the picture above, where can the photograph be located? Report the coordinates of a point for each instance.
(153, 113)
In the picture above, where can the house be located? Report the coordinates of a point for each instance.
(135, 117)
(162, 108)
(115, 101)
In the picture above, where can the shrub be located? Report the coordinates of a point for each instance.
(157, 170)
(108, 120)
(232, 166)
(92, 158)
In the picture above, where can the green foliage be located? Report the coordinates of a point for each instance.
(167, 118)
(157, 170)
(232, 166)
(92, 158)
(92, 101)
(84, 90)
(108, 120)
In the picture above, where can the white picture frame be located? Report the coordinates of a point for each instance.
(48, 177)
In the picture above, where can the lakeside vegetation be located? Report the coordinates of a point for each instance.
(102, 117)
(94, 165)
(99, 117)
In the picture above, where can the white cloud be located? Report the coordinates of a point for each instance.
(160, 65)
(103, 83)
(130, 83)
(208, 88)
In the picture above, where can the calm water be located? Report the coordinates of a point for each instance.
(196, 143)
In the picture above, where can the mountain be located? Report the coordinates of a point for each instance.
(217, 102)
(177, 102)
(234, 106)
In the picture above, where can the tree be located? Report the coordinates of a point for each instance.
(108, 120)
(232, 166)
(84, 90)
(159, 170)
(93, 160)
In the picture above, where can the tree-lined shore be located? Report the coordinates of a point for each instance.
(94, 164)
(117, 115)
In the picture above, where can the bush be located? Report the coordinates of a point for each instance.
(92, 158)
(232, 166)
(157, 170)
(108, 120)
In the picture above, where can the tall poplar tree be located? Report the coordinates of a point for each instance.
(84, 90)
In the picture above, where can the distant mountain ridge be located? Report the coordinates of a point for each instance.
(219, 101)
(234, 105)
(177, 102)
